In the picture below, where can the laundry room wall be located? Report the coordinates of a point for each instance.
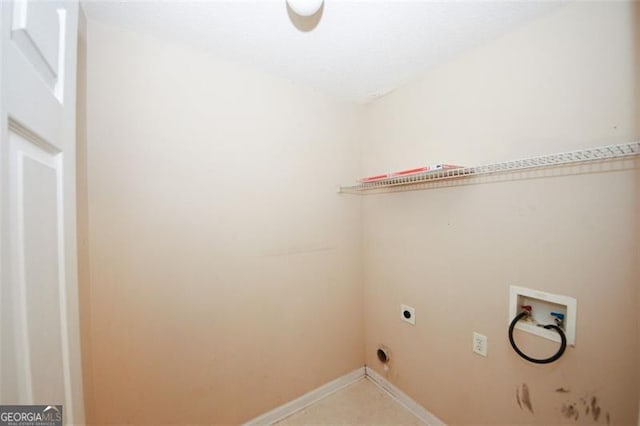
(568, 80)
(222, 275)
(222, 271)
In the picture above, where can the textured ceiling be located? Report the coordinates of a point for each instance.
(358, 50)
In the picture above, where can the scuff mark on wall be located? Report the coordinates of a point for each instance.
(562, 390)
(595, 408)
(526, 398)
(570, 411)
(589, 403)
(523, 397)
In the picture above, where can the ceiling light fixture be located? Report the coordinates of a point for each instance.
(305, 7)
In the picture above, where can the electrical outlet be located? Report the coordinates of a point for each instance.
(480, 344)
(408, 314)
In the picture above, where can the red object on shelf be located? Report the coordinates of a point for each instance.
(409, 172)
(437, 167)
(375, 178)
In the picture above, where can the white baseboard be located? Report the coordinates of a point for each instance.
(307, 399)
(418, 410)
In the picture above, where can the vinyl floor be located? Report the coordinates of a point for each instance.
(361, 403)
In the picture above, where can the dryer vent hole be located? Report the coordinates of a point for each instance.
(382, 356)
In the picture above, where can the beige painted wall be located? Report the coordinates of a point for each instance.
(208, 192)
(566, 81)
(224, 269)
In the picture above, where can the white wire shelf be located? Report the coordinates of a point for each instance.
(602, 153)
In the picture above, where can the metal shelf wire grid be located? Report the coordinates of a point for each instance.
(565, 158)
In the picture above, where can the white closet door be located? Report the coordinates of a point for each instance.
(39, 334)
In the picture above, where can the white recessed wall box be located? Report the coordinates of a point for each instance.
(543, 305)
